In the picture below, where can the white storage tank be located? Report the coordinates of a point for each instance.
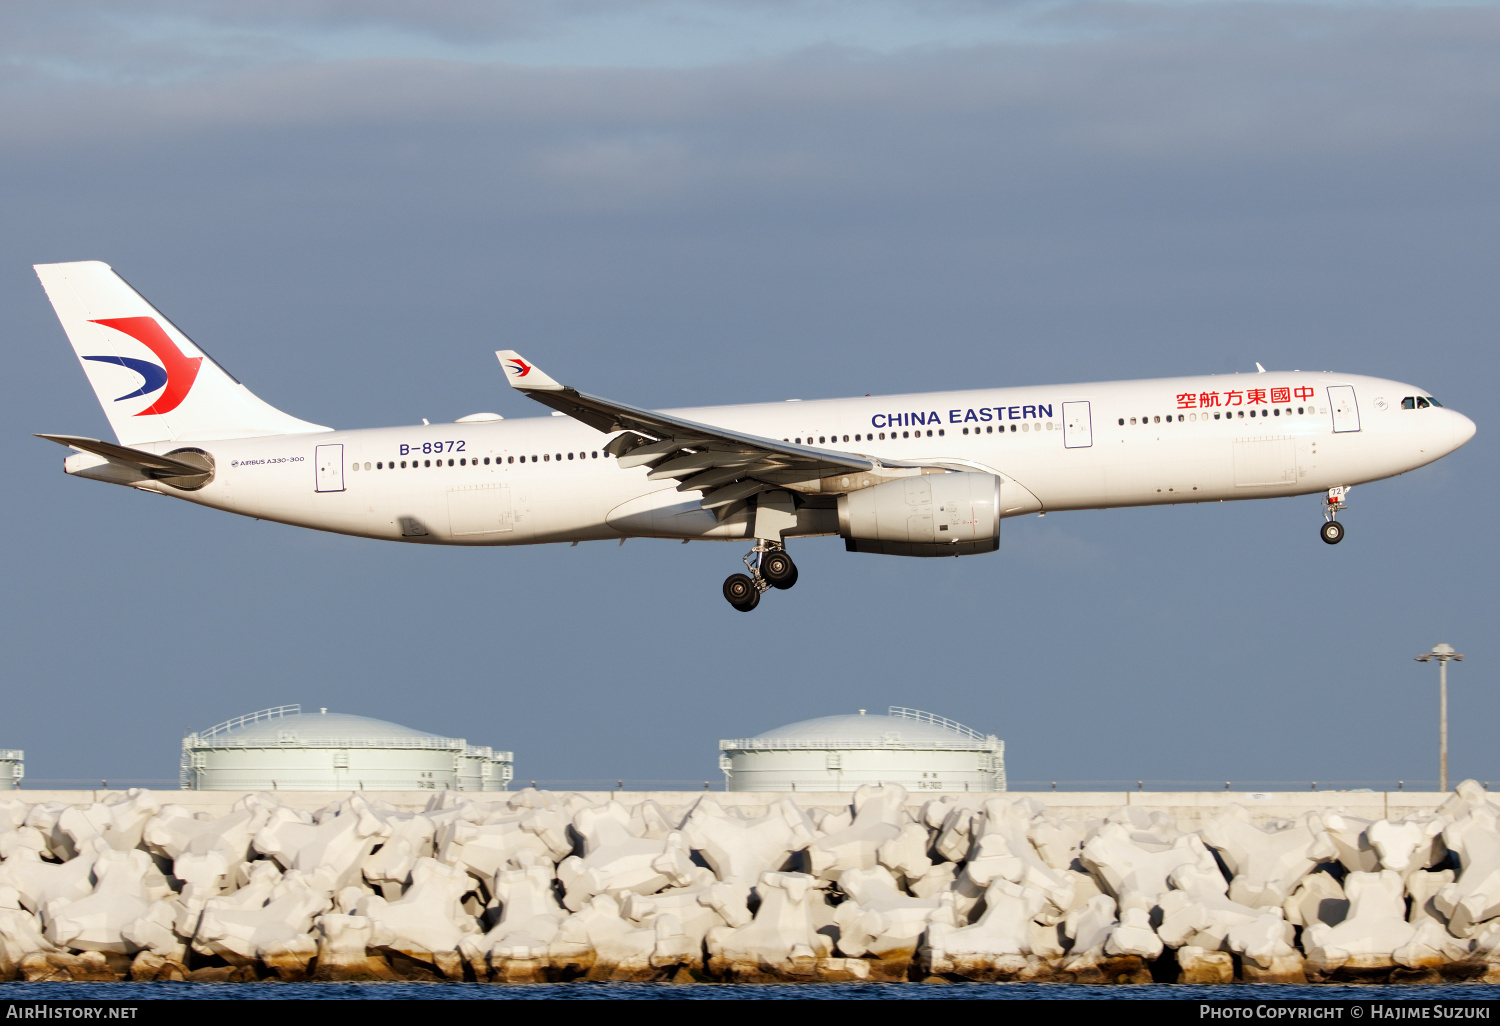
(284, 749)
(12, 768)
(918, 750)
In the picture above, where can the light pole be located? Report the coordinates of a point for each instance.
(1442, 653)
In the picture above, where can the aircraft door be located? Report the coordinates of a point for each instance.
(329, 460)
(1078, 426)
(1345, 409)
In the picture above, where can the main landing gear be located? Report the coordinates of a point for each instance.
(1332, 531)
(769, 566)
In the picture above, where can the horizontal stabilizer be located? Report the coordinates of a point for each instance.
(149, 462)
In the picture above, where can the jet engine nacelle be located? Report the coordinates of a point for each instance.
(955, 514)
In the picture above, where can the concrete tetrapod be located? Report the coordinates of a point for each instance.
(997, 946)
(120, 896)
(1267, 863)
(879, 921)
(1369, 937)
(516, 949)
(781, 942)
(615, 861)
(879, 815)
(421, 931)
(739, 848)
(1474, 897)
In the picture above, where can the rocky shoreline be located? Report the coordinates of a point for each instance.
(534, 887)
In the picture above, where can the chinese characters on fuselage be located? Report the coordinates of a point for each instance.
(1242, 397)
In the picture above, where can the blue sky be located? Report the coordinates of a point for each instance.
(352, 205)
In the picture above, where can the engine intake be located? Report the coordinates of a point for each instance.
(955, 514)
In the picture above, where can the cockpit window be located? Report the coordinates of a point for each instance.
(1422, 404)
(1409, 403)
(1434, 401)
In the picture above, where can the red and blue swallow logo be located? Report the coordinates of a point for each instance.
(174, 375)
(521, 367)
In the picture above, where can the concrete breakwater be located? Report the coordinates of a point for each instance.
(535, 886)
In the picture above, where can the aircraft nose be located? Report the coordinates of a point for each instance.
(1463, 429)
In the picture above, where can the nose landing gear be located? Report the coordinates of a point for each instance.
(1332, 531)
(769, 566)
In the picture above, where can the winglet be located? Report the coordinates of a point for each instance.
(523, 374)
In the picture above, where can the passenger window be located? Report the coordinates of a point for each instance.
(1122, 421)
(1156, 420)
(820, 439)
(1216, 416)
(570, 455)
(596, 455)
(378, 466)
(1409, 403)
(906, 434)
(846, 438)
(450, 462)
(546, 457)
(1132, 420)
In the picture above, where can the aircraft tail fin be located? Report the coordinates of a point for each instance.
(154, 383)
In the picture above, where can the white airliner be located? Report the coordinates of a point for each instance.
(911, 475)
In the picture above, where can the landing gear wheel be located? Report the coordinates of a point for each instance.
(778, 570)
(741, 592)
(1332, 532)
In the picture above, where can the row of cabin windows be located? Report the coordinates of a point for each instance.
(825, 439)
(989, 430)
(1227, 415)
(546, 457)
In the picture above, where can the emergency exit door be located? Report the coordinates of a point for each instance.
(1078, 426)
(329, 460)
(1345, 409)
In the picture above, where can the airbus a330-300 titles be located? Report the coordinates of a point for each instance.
(907, 475)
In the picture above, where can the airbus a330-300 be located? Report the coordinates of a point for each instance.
(930, 474)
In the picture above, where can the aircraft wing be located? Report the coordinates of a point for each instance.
(726, 466)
